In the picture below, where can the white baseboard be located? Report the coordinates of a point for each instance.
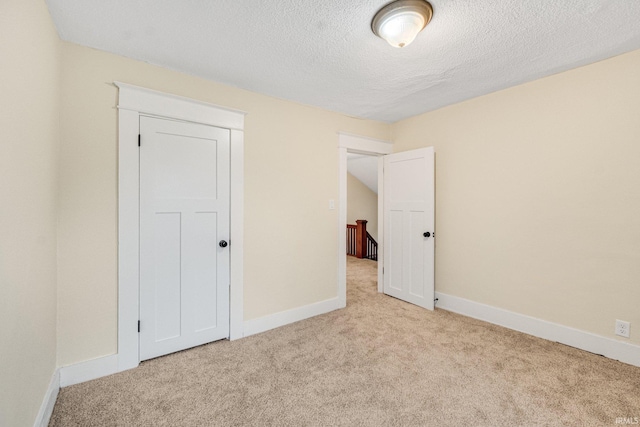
(272, 321)
(611, 348)
(49, 401)
(107, 365)
(89, 370)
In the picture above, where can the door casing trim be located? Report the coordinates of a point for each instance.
(134, 101)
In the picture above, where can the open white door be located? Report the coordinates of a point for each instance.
(184, 226)
(408, 206)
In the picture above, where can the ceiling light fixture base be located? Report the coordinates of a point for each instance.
(400, 21)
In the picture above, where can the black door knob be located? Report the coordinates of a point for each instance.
(426, 234)
(223, 243)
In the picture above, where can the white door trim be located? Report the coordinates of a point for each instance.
(359, 144)
(132, 102)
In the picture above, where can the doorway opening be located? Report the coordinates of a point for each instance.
(357, 147)
(362, 206)
(406, 213)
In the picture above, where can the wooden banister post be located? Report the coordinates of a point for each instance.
(361, 238)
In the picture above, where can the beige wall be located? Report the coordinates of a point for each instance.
(538, 200)
(290, 175)
(29, 79)
(362, 203)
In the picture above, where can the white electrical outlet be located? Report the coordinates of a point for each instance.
(622, 328)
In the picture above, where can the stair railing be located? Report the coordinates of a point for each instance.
(359, 242)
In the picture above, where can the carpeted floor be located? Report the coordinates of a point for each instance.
(379, 362)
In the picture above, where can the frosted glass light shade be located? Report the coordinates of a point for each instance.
(400, 22)
(401, 29)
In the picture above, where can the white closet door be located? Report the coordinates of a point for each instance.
(184, 216)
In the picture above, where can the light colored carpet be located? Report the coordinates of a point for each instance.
(379, 362)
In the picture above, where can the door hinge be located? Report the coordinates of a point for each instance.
(138, 326)
(138, 140)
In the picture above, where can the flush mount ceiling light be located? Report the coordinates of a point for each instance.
(400, 22)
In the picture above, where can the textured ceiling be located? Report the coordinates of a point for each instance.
(323, 53)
